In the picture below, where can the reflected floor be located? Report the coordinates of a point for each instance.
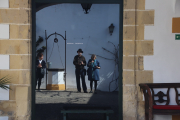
(49, 104)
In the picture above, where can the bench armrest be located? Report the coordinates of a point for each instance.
(148, 97)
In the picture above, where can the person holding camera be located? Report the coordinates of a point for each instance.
(93, 72)
(79, 62)
(40, 69)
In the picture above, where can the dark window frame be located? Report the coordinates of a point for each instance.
(33, 16)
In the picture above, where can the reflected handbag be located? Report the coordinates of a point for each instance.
(42, 72)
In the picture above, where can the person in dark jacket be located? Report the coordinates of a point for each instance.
(79, 62)
(40, 64)
(93, 71)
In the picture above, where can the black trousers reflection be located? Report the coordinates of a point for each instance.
(38, 79)
(95, 84)
(80, 73)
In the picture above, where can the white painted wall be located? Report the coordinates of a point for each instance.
(166, 59)
(4, 3)
(4, 61)
(91, 30)
(3, 117)
(55, 77)
(4, 31)
(4, 94)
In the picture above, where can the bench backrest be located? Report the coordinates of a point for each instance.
(161, 94)
(92, 107)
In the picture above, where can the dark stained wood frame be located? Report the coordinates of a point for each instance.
(148, 91)
(33, 73)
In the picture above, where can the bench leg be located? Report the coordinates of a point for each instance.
(64, 116)
(150, 117)
(146, 116)
(104, 117)
(107, 116)
(67, 116)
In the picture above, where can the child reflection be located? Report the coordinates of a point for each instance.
(93, 72)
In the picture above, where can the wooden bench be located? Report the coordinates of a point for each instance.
(86, 109)
(151, 106)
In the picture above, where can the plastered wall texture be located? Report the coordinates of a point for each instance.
(18, 16)
(134, 48)
(18, 46)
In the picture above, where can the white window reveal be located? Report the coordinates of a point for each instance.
(3, 117)
(4, 95)
(4, 3)
(4, 61)
(4, 30)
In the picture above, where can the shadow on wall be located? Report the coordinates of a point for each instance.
(107, 82)
(176, 6)
(106, 76)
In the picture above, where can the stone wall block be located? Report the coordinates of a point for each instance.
(17, 76)
(24, 16)
(7, 108)
(129, 93)
(145, 47)
(138, 17)
(14, 46)
(129, 4)
(140, 4)
(141, 110)
(129, 110)
(129, 33)
(139, 31)
(22, 94)
(128, 48)
(11, 118)
(133, 32)
(128, 77)
(21, 16)
(128, 62)
(12, 92)
(20, 32)
(140, 63)
(23, 108)
(20, 62)
(144, 77)
(27, 117)
(129, 18)
(145, 17)
(134, 4)
(19, 3)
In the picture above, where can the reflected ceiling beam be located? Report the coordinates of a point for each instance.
(40, 6)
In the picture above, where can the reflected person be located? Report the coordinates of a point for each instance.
(93, 72)
(79, 62)
(40, 69)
